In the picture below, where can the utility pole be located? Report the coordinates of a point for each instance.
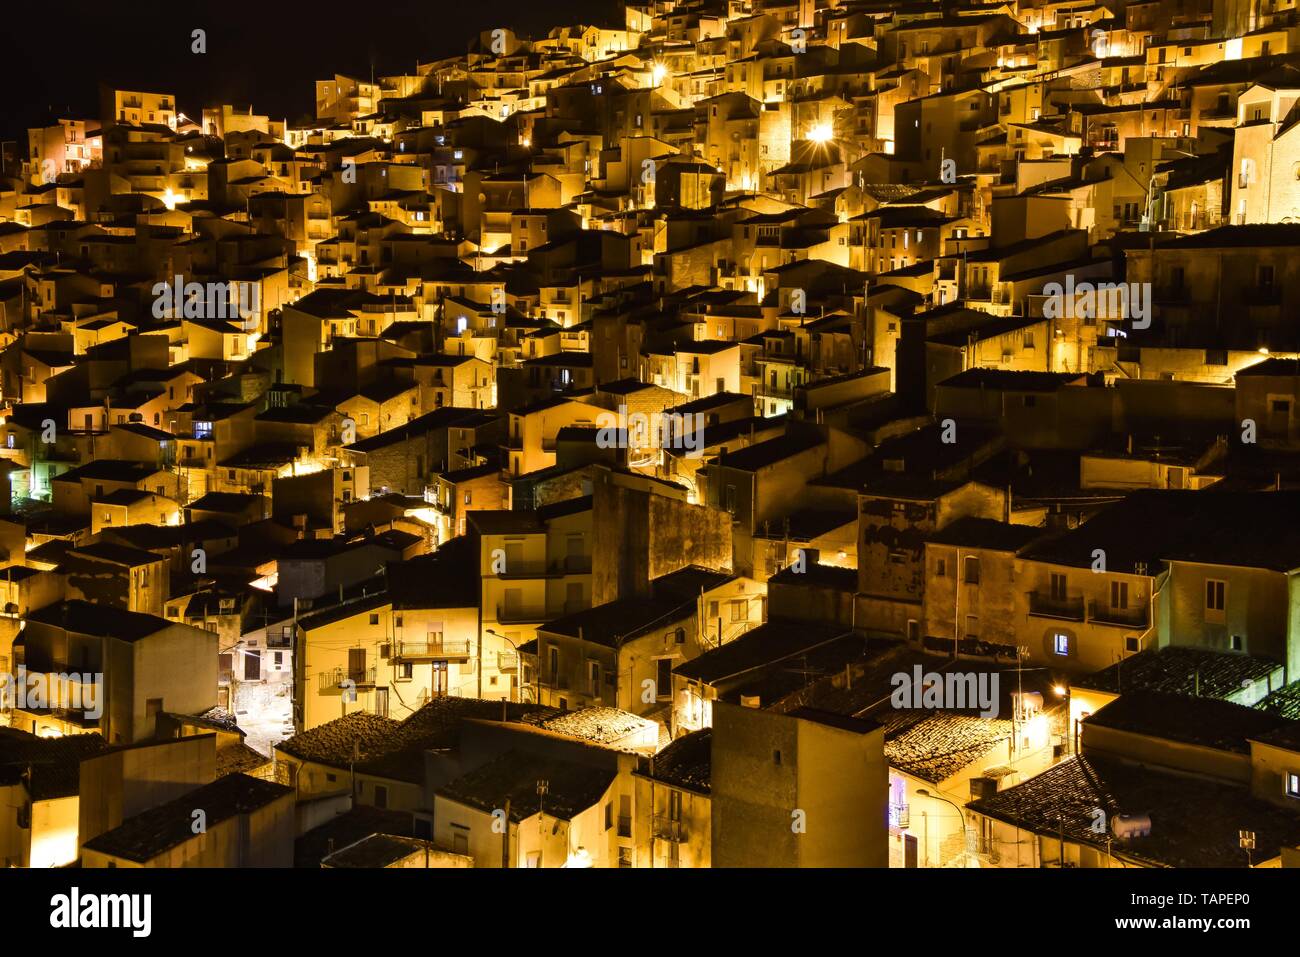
(505, 838)
(542, 787)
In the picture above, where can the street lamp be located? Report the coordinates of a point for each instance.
(519, 659)
(961, 814)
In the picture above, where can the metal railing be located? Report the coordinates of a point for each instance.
(336, 680)
(1051, 606)
(1102, 614)
(666, 829)
(432, 648)
(520, 614)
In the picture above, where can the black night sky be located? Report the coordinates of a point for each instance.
(263, 52)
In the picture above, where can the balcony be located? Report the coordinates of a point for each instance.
(900, 816)
(336, 680)
(1119, 617)
(1262, 296)
(1172, 295)
(666, 829)
(1050, 606)
(507, 661)
(520, 614)
(571, 565)
(430, 649)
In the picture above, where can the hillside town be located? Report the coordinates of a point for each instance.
(742, 433)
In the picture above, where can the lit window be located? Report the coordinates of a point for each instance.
(1061, 643)
(1293, 784)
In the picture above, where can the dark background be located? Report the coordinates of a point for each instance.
(266, 53)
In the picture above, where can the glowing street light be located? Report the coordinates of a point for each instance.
(658, 72)
(821, 133)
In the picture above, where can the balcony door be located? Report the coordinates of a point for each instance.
(357, 664)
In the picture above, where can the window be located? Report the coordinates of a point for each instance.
(609, 814)
(776, 757)
(663, 678)
(1058, 587)
(1119, 595)
(374, 619)
(406, 670)
(941, 568)
(624, 815)
(381, 796)
(1237, 643)
(593, 678)
(1216, 593)
(1060, 643)
(739, 609)
(1293, 784)
(971, 574)
(1132, 644)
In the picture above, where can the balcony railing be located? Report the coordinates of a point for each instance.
(520, 614)
(571, 565)
(1051, 606)
(432, 648)
(1172, 294)
(337, 680)
(507, 661)
(666, 829)
(1262, 296)
(900, 816)
(1102, 614)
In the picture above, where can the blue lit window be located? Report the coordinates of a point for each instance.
(1061, 643)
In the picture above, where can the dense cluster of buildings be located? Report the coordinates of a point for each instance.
(756, 433)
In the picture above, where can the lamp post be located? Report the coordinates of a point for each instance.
(961, 814)
(519, 659)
